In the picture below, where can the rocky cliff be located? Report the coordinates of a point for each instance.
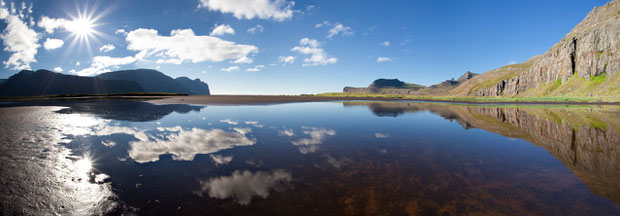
(584, 63)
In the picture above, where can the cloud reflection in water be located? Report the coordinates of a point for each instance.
(243, 185)
(186, 144)
(317, 136)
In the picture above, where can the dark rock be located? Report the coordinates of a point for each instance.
(196, 87)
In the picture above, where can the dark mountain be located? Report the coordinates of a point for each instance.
(2, 80)
(395, 86)
(388, 83)
(196, 87)
(150, 80)
(44, 82)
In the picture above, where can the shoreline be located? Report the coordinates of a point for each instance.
(279, 99)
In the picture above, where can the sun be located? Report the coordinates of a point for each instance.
(81, 27)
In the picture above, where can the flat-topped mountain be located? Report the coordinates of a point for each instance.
(45, 82)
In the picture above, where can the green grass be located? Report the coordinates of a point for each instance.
(600, 78)
(463, 98)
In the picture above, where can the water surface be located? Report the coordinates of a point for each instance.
(320, 158)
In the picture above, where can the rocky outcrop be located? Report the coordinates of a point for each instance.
(590, 49)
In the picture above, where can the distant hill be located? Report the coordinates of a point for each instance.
(2, 80)
(45, 82)
(585, 63)
(395, 86)
(150, 80)
(195, 87)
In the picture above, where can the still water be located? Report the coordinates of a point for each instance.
(321, 158)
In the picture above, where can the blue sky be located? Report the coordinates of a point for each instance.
(295, 47)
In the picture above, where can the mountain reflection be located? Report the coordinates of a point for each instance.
(243, 185)
(584, 140)
(125, 110)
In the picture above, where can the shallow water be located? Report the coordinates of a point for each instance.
(320, 158)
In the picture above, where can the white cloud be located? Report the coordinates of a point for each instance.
(106, 48)
(4, 13)
(243, 185)
(381, 135)
(286, 59)
(256, 29)
(18, 39)
(243, 60)
(230, 69)
(51, 24)
(278, 10)
(256, 68)
(324, 23)
(221, 160)
(77, 63)
(120, 32)
(57, 69)
(222, 30)
(340, 29)
(186, 144)
(287, 132)
(317, 136)
(385, 44)
(512, 62)
(228, 121)
(313, 48)
(255, 123)
(52, 43)
(101, 64)
(384, 59)
(183, 45)
(243, 130)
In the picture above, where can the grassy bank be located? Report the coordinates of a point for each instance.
(466, 99)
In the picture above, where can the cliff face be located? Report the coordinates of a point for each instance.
(584, 140)
(591, 49)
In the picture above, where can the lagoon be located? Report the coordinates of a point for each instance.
(315, 158)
